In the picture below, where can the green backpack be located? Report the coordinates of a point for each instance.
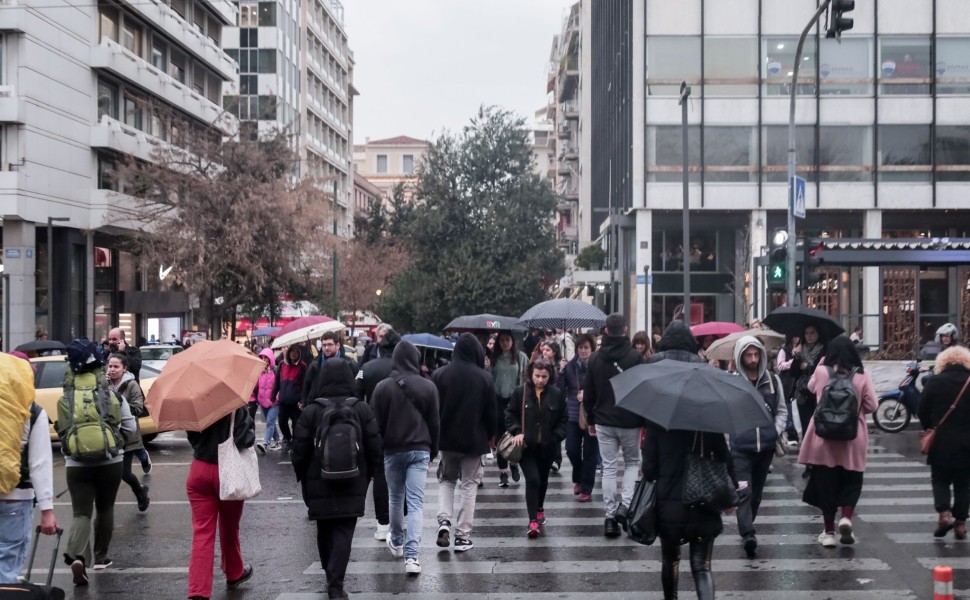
(90, 415)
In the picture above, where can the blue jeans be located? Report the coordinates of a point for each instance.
(16, 517)
(270, 414)
(406, 473)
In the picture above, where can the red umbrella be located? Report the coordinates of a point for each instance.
(303, 322)
(715, 328)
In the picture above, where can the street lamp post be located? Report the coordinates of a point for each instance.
(790, 262)
(50, 273)
(685, 243)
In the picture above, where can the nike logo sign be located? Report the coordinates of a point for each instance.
(163, 272)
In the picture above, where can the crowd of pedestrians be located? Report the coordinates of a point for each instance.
(406, 420)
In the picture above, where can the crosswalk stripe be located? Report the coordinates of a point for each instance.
(364, 539)
(888, 594)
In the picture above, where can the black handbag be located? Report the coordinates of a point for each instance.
(707, 483)
(642, 517)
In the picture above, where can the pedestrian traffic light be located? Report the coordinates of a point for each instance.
(811, 260)
(838, 21)
(778, 260)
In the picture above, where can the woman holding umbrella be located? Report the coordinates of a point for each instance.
(539, 426)
(802, 368)
(837, 466)
(508, 367)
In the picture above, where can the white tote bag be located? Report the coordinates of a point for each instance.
(238, 469)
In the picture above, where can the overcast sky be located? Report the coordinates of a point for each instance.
(423, 66)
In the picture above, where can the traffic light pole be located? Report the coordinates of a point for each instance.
(790, 261)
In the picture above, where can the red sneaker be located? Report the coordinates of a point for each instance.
(533, 529)
(577, 489)
(585, 498)
(541, 517)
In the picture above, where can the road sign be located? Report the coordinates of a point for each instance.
(797, 187)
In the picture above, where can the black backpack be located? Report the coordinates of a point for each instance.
(837, 413)
(338, 439)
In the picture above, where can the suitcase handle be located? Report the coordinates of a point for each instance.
(57, 545)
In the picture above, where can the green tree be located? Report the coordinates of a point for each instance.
(480, 235)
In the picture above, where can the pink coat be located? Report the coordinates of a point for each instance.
(851, 454)
(264, 386)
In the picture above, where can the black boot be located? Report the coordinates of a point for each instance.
(143, 499)
(611, 528)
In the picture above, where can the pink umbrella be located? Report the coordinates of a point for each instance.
(715, 328)
(303, 322)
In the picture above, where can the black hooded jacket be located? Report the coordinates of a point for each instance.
(334, 499)
(598, 401)
(466, 392)
(378, 367)
(406, 405)
(677, 343)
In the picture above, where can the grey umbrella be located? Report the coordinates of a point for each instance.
(562, 313)
(690, 396)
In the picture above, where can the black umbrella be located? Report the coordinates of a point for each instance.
(792, 320)
(482, 322)
(562, 313)
(690, 396)
(41, 346)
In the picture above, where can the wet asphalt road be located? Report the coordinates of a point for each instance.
(893, 558)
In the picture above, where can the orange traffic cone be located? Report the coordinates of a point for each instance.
(942, 583)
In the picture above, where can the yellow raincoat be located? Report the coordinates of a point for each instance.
(16, 395)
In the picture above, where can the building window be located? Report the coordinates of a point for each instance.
(248, 14)
(107, 100)
(198, 19)
(953, 153)
(845, 153)
(180, 7)
(267, 61)
(776, 152)
(213, 88)
(952, 66)
(131, 37)
(106, 173)
(108, 23)
(730, 154)
(198, 80)
(779, 64)
(904, 65)
(213, 30)
(845, 67)
(382, 163)
(267, 14)
(731, 66)
(409, 163)
(671, 60)
(268, 107)
(248, 85)
(668, 254)
(133, 111)
(176, 66)
(249, 38)
(904, 153)
(665, 153)
(159, 53)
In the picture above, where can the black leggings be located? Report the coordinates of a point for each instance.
(288, 412)
(701, 552)
(536, 463)
(128, 477)
(334, 538)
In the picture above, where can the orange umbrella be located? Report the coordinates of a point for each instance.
(201, 385)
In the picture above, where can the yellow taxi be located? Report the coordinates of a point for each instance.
(49, 374)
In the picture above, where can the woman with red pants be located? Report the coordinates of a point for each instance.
(208, 510)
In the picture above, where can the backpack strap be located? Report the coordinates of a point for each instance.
(25, 450)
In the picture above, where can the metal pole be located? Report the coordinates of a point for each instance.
(6, 311)
(790, 262)
(50, 274)
(685, 243)
(336, 308)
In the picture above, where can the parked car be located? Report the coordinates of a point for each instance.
(49, 383)
(155, 355)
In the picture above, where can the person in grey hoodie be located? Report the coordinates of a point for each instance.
(753, 450)
(406, 407)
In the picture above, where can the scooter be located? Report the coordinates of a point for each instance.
(897, 407)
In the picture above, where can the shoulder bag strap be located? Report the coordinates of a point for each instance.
(232, 426)
(955, 402)
(524, 390)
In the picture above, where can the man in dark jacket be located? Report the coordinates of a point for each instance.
(288, 387)
(615, 429)
(372, 373)
(335, 504)
(117, 343)
(752, 451)
(330, 347)
(406, 407)
(467, 407)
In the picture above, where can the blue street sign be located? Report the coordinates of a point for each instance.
(796, 197)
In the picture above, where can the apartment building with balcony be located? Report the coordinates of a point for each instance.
(882, 139)
(296, 75)
(83, 84)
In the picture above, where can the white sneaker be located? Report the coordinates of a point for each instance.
(382, 532)
(412, 566)
(845, 531)
(827, 540)
(398, 551)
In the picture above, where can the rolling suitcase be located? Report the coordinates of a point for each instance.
(30, 591)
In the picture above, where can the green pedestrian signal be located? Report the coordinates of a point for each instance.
(777, 269)
(777, 273)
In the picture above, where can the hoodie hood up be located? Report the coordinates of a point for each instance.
(336, 380)
(406, 359)
(469, 349)
(678, 337)
(741, 346)
(269, 354)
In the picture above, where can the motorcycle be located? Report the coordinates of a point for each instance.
(897, 407)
